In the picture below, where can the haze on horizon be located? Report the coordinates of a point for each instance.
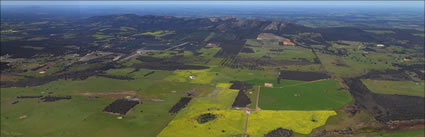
(389, 4)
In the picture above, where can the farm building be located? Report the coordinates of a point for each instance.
(286, 43)
(268, 85)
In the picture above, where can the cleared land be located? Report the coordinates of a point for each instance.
(316, 95)
(396, 87)
(82, 114)
(193, 76)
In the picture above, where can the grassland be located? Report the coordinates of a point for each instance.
(396, 87)
(264, 47)
(355, 64)
(8, 31)
(200, 76)
(120, 72)
(82, 115)
(206, 56)
(343, 120)
(101, 36)
(317, 95)
(227, 74)
(156, 34)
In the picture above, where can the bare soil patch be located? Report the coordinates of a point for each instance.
(114, 95)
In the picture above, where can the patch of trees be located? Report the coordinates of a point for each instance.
(241, 100)
(304, 76)
(386, 107)
(180, 105)
(279, 132)
(54, 98)
(204, 118)
(121, 106)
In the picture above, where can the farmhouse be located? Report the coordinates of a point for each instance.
(270, 85)
(212, 45)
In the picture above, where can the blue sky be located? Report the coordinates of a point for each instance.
(417, 4)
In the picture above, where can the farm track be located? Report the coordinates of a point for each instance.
(303, 83)
(258, 99)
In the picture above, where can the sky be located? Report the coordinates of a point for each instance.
(417, 4)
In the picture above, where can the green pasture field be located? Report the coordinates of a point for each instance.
(262, 48)
(101, 36)
(157, 34)
(120, 72)
(283, 82)
(396, 87)
(203, 76)
(355, 64)
(83, 116)
(317, 95)
(206, 56)
(344, 120)
(226, 74)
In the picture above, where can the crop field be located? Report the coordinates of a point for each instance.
(396, 87)
(228, 122)
(303, 122)
(227, 74)
(315, 95)
(231, 122)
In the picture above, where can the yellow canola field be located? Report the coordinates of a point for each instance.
(231, 122)
(263, 121)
